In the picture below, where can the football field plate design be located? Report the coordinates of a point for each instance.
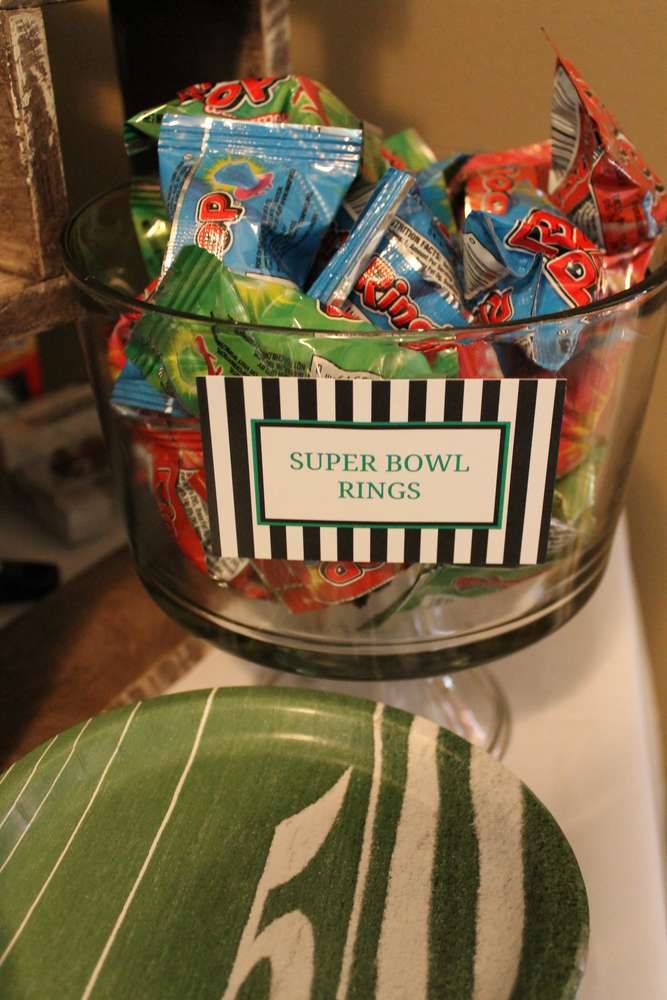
(271, 843)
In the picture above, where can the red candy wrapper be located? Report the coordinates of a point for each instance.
(597, 177)
(488, 179)
(590, 379)
(120, 334)
(175, 469)
(311, 586)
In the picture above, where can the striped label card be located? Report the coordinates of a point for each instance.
(371, 470)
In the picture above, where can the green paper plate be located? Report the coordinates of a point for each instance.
(283, 844)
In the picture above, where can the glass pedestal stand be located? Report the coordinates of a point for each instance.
(469, 703)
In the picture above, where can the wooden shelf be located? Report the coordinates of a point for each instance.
(28, 307)
(16, 4)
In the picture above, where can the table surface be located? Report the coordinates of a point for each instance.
(584, 738)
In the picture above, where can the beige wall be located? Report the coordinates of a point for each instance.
(479, 74)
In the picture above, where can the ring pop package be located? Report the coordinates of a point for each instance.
(397, 263)
(274, 99)
(597, 177)
(399, 269)
(485, 182)
(172, 461)
(260, 196)
(531, 261)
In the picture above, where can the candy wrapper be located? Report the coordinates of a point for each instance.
(397, 266)
(261, 196)
(151, 222)
(597, 177)
(312, 586)
(276, 99)
(407, 150)
(531, 261)
(171, 353)
(132, 392)
(485, 182)
(432, 184)
(173, 463)
(120, 334)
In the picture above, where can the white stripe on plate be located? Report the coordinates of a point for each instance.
(364, 858)
(539, 453)
(7, 772)
(509, 394)
(27, 781)
(403, 949)
(45, 797)
(90, 985)
(498, 808)
(70, 839)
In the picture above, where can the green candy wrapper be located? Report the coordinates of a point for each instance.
(171, 353)
(151, 222)
(408, 150)
(296, 99)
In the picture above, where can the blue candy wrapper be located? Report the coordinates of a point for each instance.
(258, 195)
(531, 261)
(336, 281)
(132, 391)
(432, 186)
(398, 263)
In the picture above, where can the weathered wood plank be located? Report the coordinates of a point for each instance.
(98, 641)
(29, 307)
(16, 4)
(33, 204)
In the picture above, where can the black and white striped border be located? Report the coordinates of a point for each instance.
(532, 407)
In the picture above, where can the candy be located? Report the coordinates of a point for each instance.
(408, 151)
(294, 99)
(171, 353)
(151, 223)
(397, 266)
(434, 191)
(597, 177)
(486, 181)
(257, 195)
(531, 261)
(410, 282)
(174, 465)
(132, 392)
(312, 586)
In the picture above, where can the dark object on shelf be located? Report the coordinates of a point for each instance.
(26, 581)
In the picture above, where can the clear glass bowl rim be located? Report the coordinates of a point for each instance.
(120, 301)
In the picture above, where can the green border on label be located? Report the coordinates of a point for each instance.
(502, 425)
